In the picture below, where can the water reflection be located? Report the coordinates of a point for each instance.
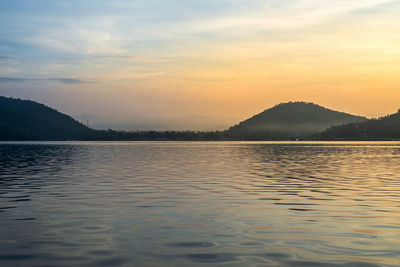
(200, 203)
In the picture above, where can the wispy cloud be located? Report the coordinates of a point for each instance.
(5, 57)
(131, 74)
(130, 25)
(68, 80)
(287, 15)
(93, 35)
(136, 59)
(61, 80)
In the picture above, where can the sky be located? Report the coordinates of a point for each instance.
(206, 64)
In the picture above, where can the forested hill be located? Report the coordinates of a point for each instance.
(291, 120)
(29, 120)
(25, 120)
(387, 127)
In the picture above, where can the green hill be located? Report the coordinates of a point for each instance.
(290, 120)
(28, 120)
(387, 127)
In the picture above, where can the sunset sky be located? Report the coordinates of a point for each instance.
(219, 61)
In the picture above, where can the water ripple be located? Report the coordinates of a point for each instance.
(204, 203)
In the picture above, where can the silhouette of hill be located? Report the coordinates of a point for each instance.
(387, 127)
(29, 120)
(290, 120)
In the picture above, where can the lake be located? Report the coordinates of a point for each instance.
(200, 203)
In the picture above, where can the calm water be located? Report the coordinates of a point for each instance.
(220, 203)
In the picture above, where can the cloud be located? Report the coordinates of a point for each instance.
(98, 35)
(61, 80)
(285, 16)
(9, 79)
(131, 74)
(136, 59)
(67, 80)
(145, 26)
(4, 57)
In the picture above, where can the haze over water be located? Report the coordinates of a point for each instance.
(211, 203)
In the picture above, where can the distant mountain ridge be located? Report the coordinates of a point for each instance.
(387, 127)
(29, 120)
(291, 120)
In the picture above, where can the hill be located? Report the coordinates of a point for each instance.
(29, 120)
(387, 127)
(290, 120)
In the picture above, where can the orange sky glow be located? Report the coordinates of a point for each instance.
(225, 60)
